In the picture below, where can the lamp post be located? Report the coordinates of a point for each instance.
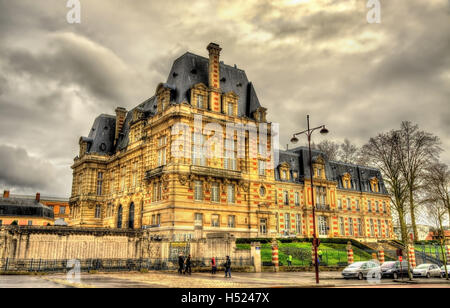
(295, 140)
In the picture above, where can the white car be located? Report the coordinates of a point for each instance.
(362, 270)
(443, 270)
(427, 270)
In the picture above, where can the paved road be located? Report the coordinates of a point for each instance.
(205, 280)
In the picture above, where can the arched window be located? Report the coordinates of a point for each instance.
(131, 216)
(119, 217)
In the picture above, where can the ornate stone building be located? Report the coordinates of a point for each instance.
(129, 173)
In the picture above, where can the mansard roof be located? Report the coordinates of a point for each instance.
(19, 206)
(190, 69)
(298, 159)
(187, 71)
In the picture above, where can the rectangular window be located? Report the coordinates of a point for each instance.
(360, 230)
(387, 228)
(198, 156)
(372, 228)
(384, 208)
(350, 226)
(263, 226)
(286, 197)
(298, 224)
(230, 109)
(287, 222)
(99, 183)
(62, 210)
(1, 223)
(215, 222)
(198, 191)
(230, 193)
(215, 195)
(339, 204)
(380, 234)
(369, 206)
(357, 205)
(276, 196)
(341, 226)
(231, 221)
(377, 209)
(230, 155)
(261, 167)
(323, 225)
(158, 219)
(199, 101)
(30, 222)
(349, 204)
(162, 150)
(297, 198)
(155, 192)
(198, 219)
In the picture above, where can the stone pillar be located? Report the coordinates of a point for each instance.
(381, 255)
(275, 255)
(255, 250)
(349, 253)
(411, 255)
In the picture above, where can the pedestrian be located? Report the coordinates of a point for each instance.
(187, 268)
(320, 255)
(213, 266)
(180, 264)
(227, 267)
(289, 260)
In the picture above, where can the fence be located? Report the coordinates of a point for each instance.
(109, 265)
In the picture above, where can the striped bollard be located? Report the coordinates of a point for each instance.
(349, 253)
(275, 256)
(313, 256)
(411, 256)
(381, 256)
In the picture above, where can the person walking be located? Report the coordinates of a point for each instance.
(213, 266)
(187, 268)
(289, 260)
(228, 267)
(180, 264)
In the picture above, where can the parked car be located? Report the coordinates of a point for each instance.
(443, 270)
(362, 270)
(427, 270)
(394, 269)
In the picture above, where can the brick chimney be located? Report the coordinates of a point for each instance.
(214, 76)
(120, 119)
(6, 194)
(38, 197)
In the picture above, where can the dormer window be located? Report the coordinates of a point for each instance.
(200, 101)
(230, 109)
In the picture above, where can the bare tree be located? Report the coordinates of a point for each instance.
(330, 148)
(417, 150)
(437, 200)
(381, 152)
(349, 152)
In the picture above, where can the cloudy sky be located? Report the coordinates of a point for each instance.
(318, 57)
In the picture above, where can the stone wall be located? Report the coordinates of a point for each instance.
(65, 243)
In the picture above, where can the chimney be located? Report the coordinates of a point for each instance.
(6, 194)
(38, 197)
(120, 119)
(214, 76)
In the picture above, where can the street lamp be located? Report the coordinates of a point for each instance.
(308, 132)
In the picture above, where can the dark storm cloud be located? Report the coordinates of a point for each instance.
(20, 171)
(316, 57)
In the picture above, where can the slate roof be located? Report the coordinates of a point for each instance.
(298, 159)
(24, 207)
(187, 71)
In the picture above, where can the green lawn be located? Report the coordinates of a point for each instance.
(332, 254)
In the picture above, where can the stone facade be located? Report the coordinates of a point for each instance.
(126, 175)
